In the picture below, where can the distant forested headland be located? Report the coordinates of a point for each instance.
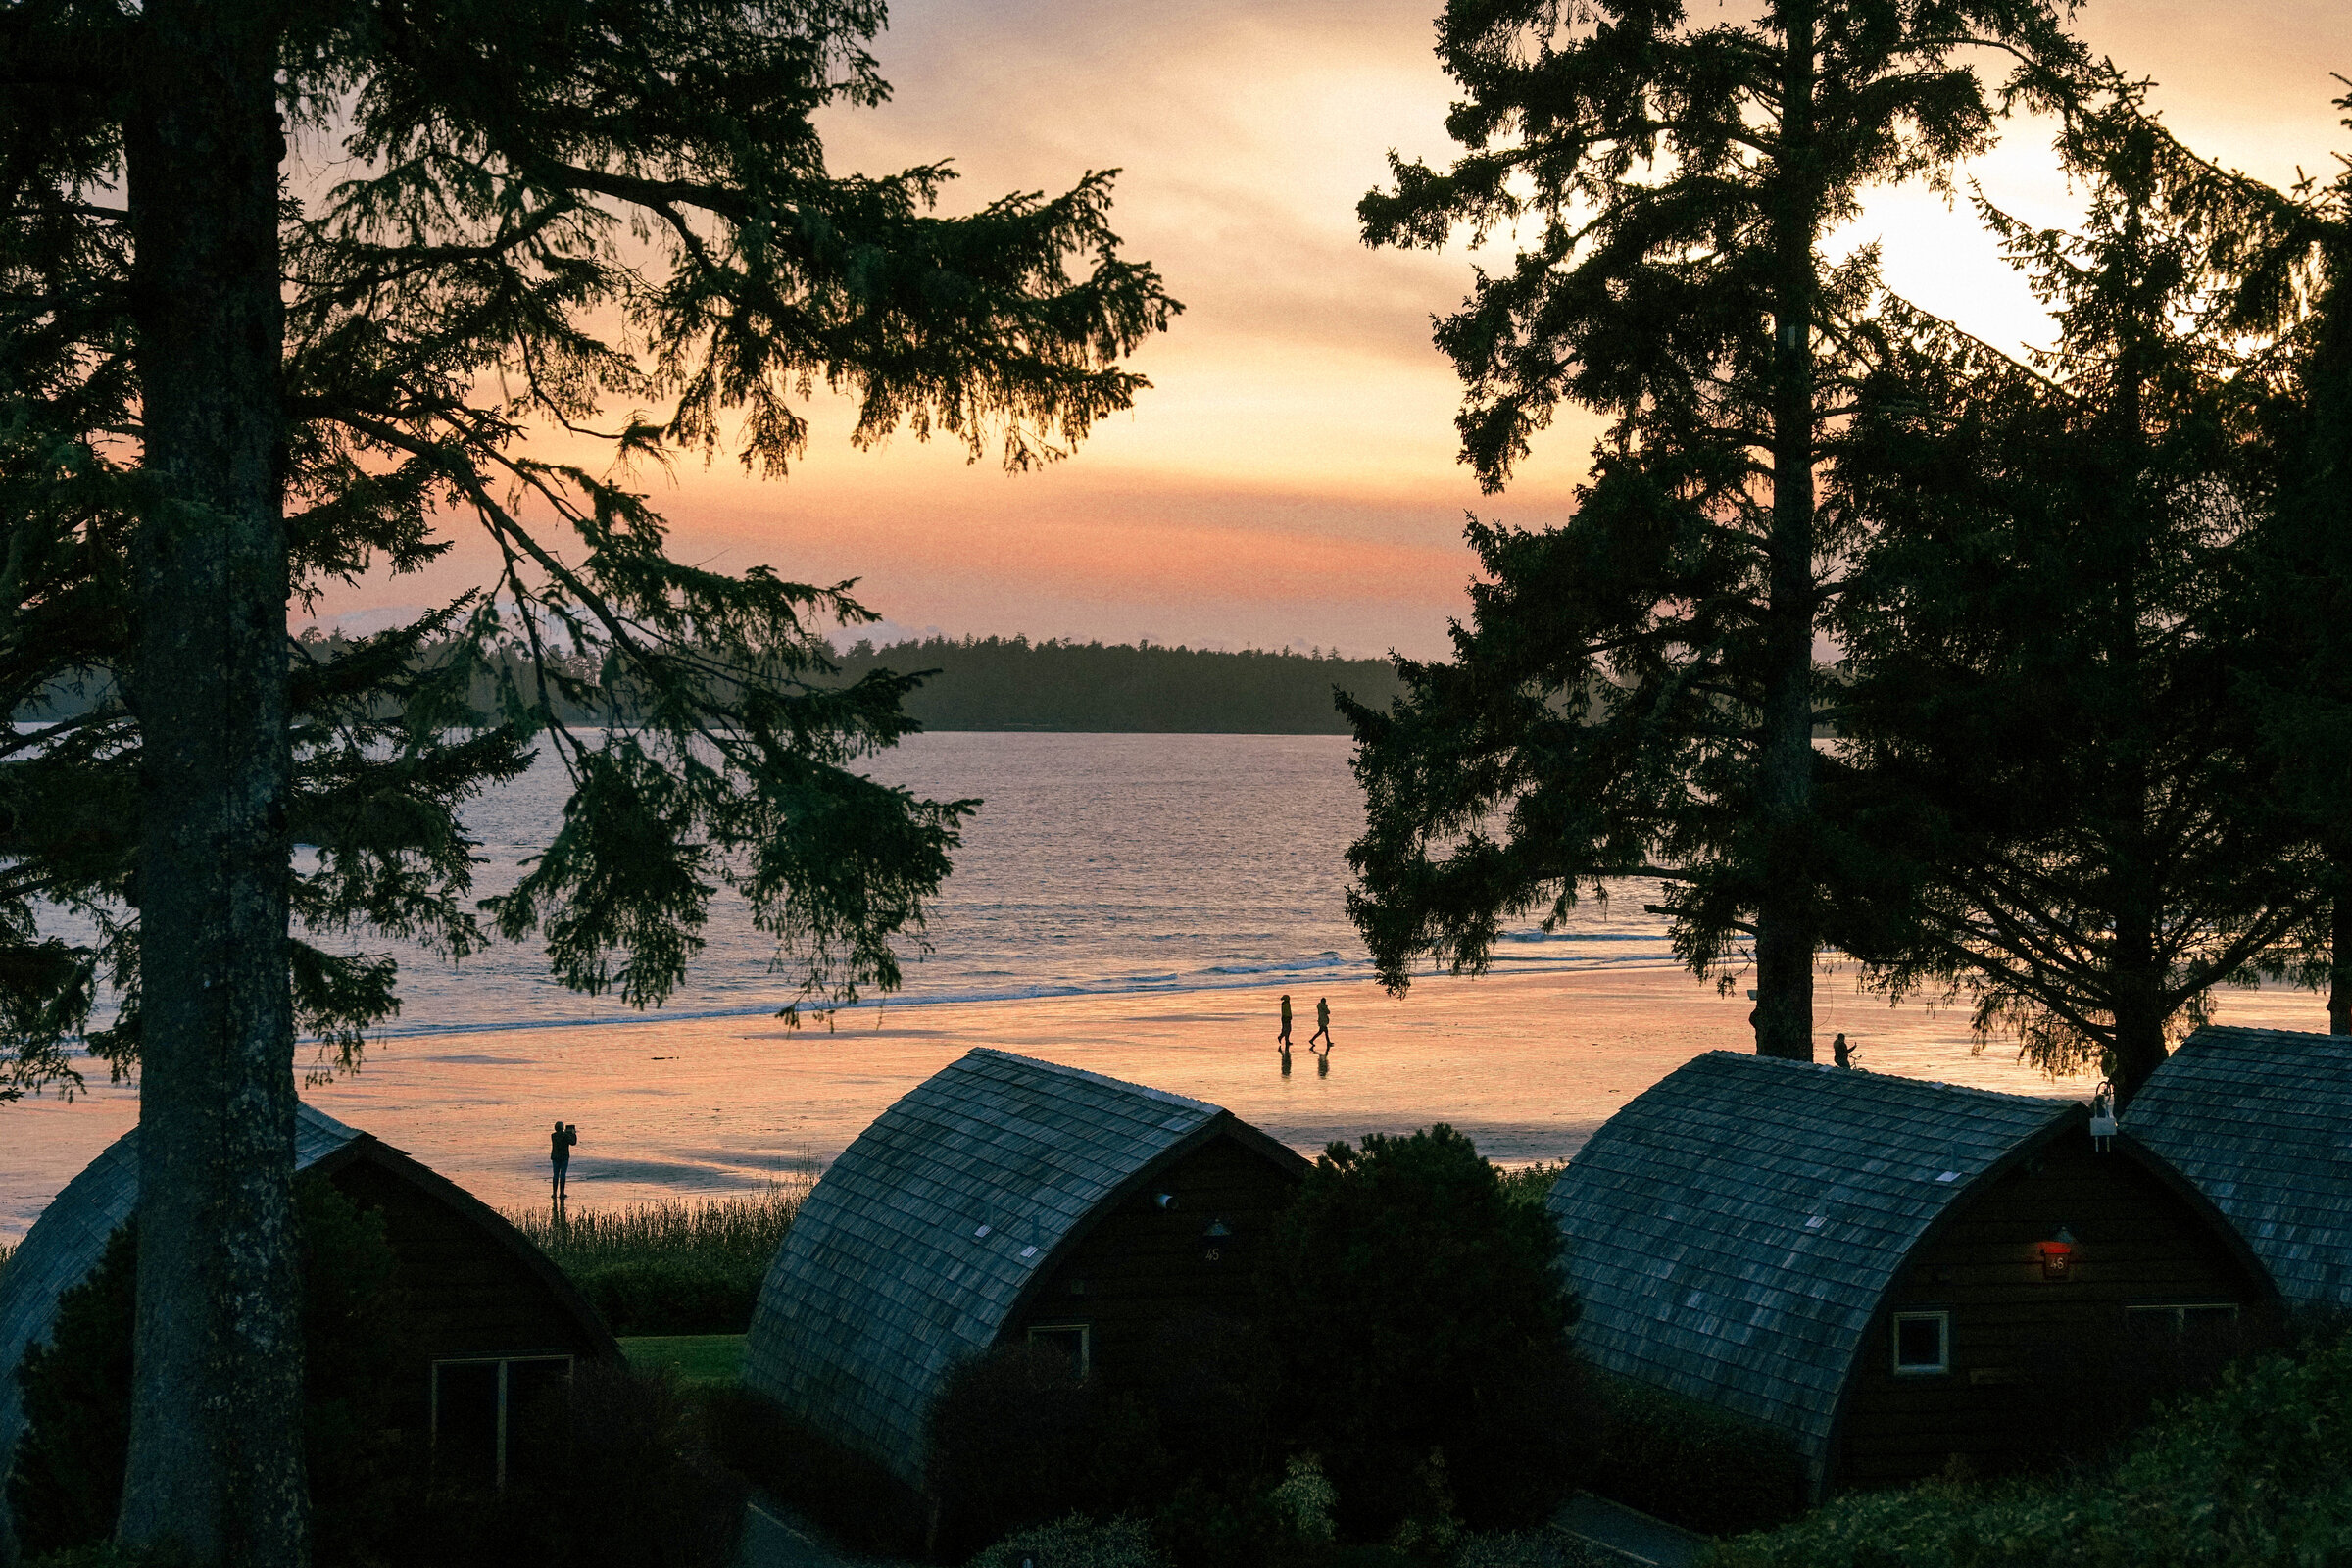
(1011, 683)
(1008, 683)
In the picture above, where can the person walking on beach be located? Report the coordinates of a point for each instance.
(1282, 1038)
(559, 1153)
(1841, 1052)
(1322, 1025)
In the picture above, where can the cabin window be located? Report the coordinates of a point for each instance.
(500, 1418)
(2181, 1319)
(1073, 1340)
(1923, 1343)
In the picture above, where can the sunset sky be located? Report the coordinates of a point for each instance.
(1291, 475)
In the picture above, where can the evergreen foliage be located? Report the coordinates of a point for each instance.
(227, 384)
(1421, 1320)
(2283, 261)
(1011, 683)
(65, 1486)
(1636, 692)
(2253, 1475)
(2048, 643)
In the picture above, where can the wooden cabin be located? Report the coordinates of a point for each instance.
(1005, 1201)
(2261, 1120)
(1890, 1272)
(496, 1327)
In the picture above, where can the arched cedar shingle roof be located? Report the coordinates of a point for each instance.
(70, 1238)
(2261, 1122)
(916, 1249)
(1732, 1232)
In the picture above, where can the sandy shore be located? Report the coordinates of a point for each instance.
(1527, 1065)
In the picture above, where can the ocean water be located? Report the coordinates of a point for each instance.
(1132, 905)
(1097, 864)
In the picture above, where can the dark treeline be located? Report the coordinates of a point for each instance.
(1007, 683)
(1011, 683)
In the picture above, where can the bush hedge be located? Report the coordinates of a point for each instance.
(1414, 1296)
(636, 1487)
(2256, 1474)
(855, 1501)
(688, 1266)
(1689, 1463)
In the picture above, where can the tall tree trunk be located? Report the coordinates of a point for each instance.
(216, 1433)
(2138, 999)
(1786, 917)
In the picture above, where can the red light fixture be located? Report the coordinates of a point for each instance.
(2058, 1256)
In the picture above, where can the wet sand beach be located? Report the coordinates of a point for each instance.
(1527, 1066)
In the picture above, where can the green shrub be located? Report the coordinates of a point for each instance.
(1533, 1548)
(107, 1555)
(1077, 1542)
(1417, 1307)
(2256, 1474)
(849, 1495)
(637, 1487)
(1531, 1184)
(683, 1266)
(67, 1484)
(1015, 1442)
(1691, 1463)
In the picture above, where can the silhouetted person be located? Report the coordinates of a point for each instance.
(1322, 1024)
(1284, 1038)
(559, 1153)
(1841, 1052)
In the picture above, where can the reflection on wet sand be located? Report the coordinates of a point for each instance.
(1527, 1066)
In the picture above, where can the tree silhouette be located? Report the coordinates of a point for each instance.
(2066, 793)
(1636, 691)
(287, 290)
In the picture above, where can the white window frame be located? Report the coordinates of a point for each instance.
(1943, 1319)
(2179, 1310)
(503, 1363)
(1086, 1341)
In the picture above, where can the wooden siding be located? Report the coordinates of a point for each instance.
(2025, 1350)
(1142, 1267)
(462, 1292)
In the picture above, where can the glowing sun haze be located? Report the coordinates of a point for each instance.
(1290, 476)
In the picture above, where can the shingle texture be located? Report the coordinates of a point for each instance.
(914, 1249)
(2261, 1120)
(67, 1242)
(1730, 1232)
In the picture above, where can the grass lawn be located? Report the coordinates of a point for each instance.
(696, 1357)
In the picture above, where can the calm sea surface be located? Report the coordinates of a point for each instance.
(1127, 904)
(1097, 864)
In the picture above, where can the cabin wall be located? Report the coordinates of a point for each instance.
(462, 1293)
(1142, 1268)
(2038, 1365)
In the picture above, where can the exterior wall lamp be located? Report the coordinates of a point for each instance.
(2058, 1256)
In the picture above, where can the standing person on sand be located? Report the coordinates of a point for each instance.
(1322, 1025)
(1841, 1052)
(559, 1153)
(1284, 1038)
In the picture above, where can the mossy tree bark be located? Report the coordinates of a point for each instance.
(216, 1440)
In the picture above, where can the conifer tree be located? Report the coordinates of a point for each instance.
(1636, 693)
(285, 292)
(2283, 260)
(2068, 798)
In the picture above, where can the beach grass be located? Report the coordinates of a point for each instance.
(674, 1266)
(698, 1359)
